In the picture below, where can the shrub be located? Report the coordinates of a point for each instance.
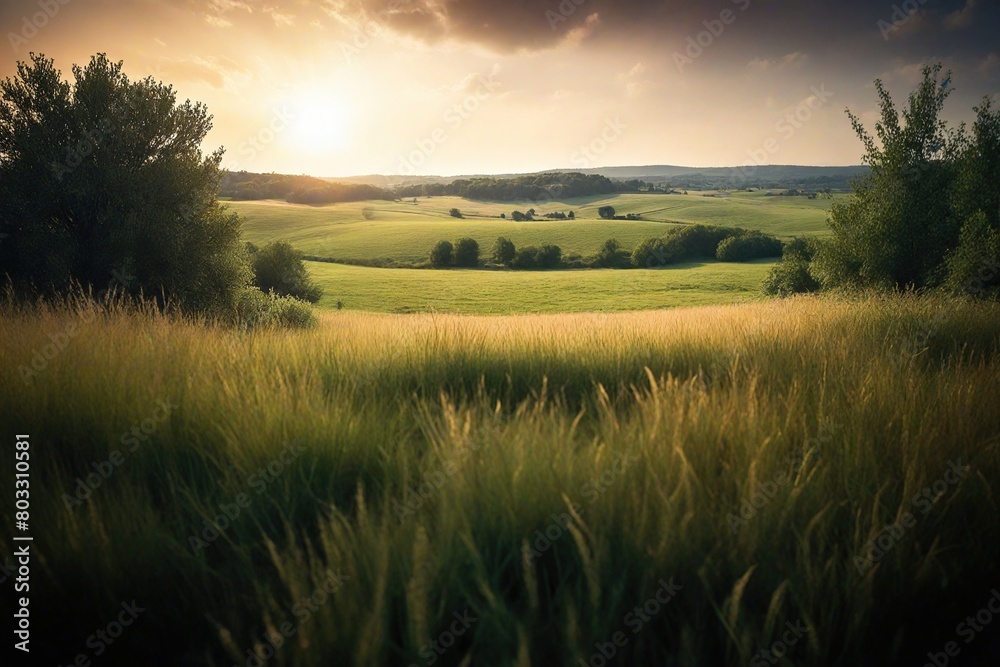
(793, 274)
(698, 241)
(441, 254)
(455, 213)
(466, 253)
(279, 268)
(611, 255)
(752, 245)
(503, 251)
(652, 253)
(525, 258)
(254, 309)
(549, 257)
(606, 212)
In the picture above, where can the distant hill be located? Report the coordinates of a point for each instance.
(766, 176)
(512, 187)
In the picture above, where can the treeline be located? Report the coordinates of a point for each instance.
(726, 244)
(242, 185)
(536, 187)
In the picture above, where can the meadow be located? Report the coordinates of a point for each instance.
(811, 478)
(512, 292)
(406, 231)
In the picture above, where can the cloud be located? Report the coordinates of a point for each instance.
(791, 60)
(961, 18)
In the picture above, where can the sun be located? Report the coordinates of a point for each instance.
(320, 122)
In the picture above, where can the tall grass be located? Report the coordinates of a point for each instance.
(428, 450)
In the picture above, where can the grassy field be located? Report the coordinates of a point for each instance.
(671, 488)
(512, 292)
(405, 231)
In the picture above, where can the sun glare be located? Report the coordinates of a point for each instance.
(320, 123)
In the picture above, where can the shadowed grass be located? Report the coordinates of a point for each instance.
(430, 449)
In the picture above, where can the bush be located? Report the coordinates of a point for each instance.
(466, 253)
(606, 212)
(793, 274)
(279, 268)
(611, 255)
(698, 241)
(974, 266)
(254, 309)
(517, 216)
(752, 245)
(525, 258)
(549, 257)
(441, 254)
(503, 251)
(530, 257)
(455, 213)
(652, 253)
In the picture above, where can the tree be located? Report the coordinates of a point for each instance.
(572, 215)
(503, 216)
(606, 212)
(467, 253)
(103, 180)
(549, 256)
(517, 216)
(652, 253)
(792, 274)
(441, 254)
(455, 213)
(503, 251)
(897, 228)
(752, 245)
(611, 255)
(279, 268)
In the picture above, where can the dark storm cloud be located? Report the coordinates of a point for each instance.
(880, 27)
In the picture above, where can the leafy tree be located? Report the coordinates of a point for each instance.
(652, 253)
(525, 258)
(466, 253)
(104, 177)
(278, 267)
(897, 228)
(455, 213)
(611, 255)
(792, 274)
(572, 215)
(549, 256)
(606, 212)
(441, 254)
(503, 251)
(752, 245)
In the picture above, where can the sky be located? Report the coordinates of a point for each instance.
(446, 87)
